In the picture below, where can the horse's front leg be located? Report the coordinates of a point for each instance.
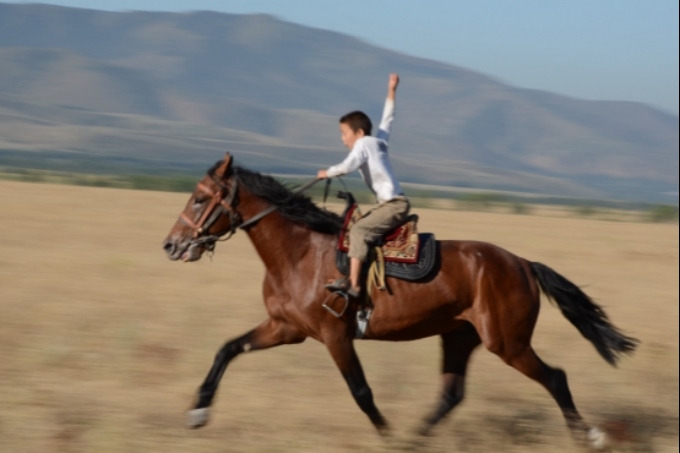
(346, 359)
(268, 334)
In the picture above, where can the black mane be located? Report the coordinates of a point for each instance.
(297, 208)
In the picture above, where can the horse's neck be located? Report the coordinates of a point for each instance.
(279, 242)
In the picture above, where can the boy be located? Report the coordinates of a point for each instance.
(369, 155)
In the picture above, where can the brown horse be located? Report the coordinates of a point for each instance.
(478, 294)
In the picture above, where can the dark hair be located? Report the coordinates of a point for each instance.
(357, 120)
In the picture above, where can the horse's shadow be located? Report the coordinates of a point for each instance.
(633, 429)
(637, 429)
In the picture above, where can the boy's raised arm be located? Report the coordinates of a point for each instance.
(388, 111)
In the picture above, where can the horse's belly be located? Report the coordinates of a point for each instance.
(404, 323)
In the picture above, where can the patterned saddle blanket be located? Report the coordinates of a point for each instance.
(409, 255)
(400, 245)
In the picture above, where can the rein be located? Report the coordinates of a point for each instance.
(224, 200)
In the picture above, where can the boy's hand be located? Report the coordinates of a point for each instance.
(322, 174)
(394, 81)
(392, 85)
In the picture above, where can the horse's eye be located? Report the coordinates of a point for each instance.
(199, 200)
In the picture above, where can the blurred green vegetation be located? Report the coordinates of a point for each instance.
(521, 208)
(663, 213)
(436, 198)
(480, 201)
(585, 210)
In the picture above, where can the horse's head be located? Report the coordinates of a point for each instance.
(208, 215)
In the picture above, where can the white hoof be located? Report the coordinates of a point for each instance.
(197, 417)
(597, 438)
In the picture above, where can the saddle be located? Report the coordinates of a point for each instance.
(408, 255)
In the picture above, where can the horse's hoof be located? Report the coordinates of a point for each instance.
(416, 444)
(384, 431)
(425, 430)
(197, 417)
(597, 439)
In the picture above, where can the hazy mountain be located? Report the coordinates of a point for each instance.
(176, 90)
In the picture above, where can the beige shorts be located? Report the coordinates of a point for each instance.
(378, 221)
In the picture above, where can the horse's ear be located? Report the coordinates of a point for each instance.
(224, 167)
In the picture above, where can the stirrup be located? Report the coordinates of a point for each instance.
(331, 310)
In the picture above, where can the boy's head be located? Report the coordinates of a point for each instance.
(353, 126)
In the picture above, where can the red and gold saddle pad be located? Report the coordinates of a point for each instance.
(399, 245)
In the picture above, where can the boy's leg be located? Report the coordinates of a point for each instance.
(370, 228)
(354, 271)
(382, 219)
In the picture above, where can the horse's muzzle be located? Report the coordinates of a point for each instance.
(185, 251)
(170, 249)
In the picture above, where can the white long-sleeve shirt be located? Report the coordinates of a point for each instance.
(369, 156)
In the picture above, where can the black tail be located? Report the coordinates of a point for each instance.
(589, 318)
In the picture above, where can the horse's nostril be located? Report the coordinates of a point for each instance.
(168, 247)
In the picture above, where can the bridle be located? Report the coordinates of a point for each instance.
(221, 201)
(224, 200)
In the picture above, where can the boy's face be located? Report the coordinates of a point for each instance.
(349, 137)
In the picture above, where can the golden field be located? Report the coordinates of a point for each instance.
(103, 340)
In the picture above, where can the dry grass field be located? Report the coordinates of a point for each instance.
(103, 340)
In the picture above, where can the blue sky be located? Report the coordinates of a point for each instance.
(589, 49)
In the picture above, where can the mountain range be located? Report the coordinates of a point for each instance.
(170, 92)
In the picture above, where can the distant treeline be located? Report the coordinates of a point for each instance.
(477, 201)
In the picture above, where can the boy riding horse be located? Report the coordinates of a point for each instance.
(369, 155)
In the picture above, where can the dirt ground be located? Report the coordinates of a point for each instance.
(103, 340)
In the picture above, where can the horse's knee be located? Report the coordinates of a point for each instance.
(229, 351)
(364, 398)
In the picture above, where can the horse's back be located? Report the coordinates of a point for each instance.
(479, 253)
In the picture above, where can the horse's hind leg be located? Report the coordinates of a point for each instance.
(506, 329)
(555, 381)
(268, 334)
(457, 346)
